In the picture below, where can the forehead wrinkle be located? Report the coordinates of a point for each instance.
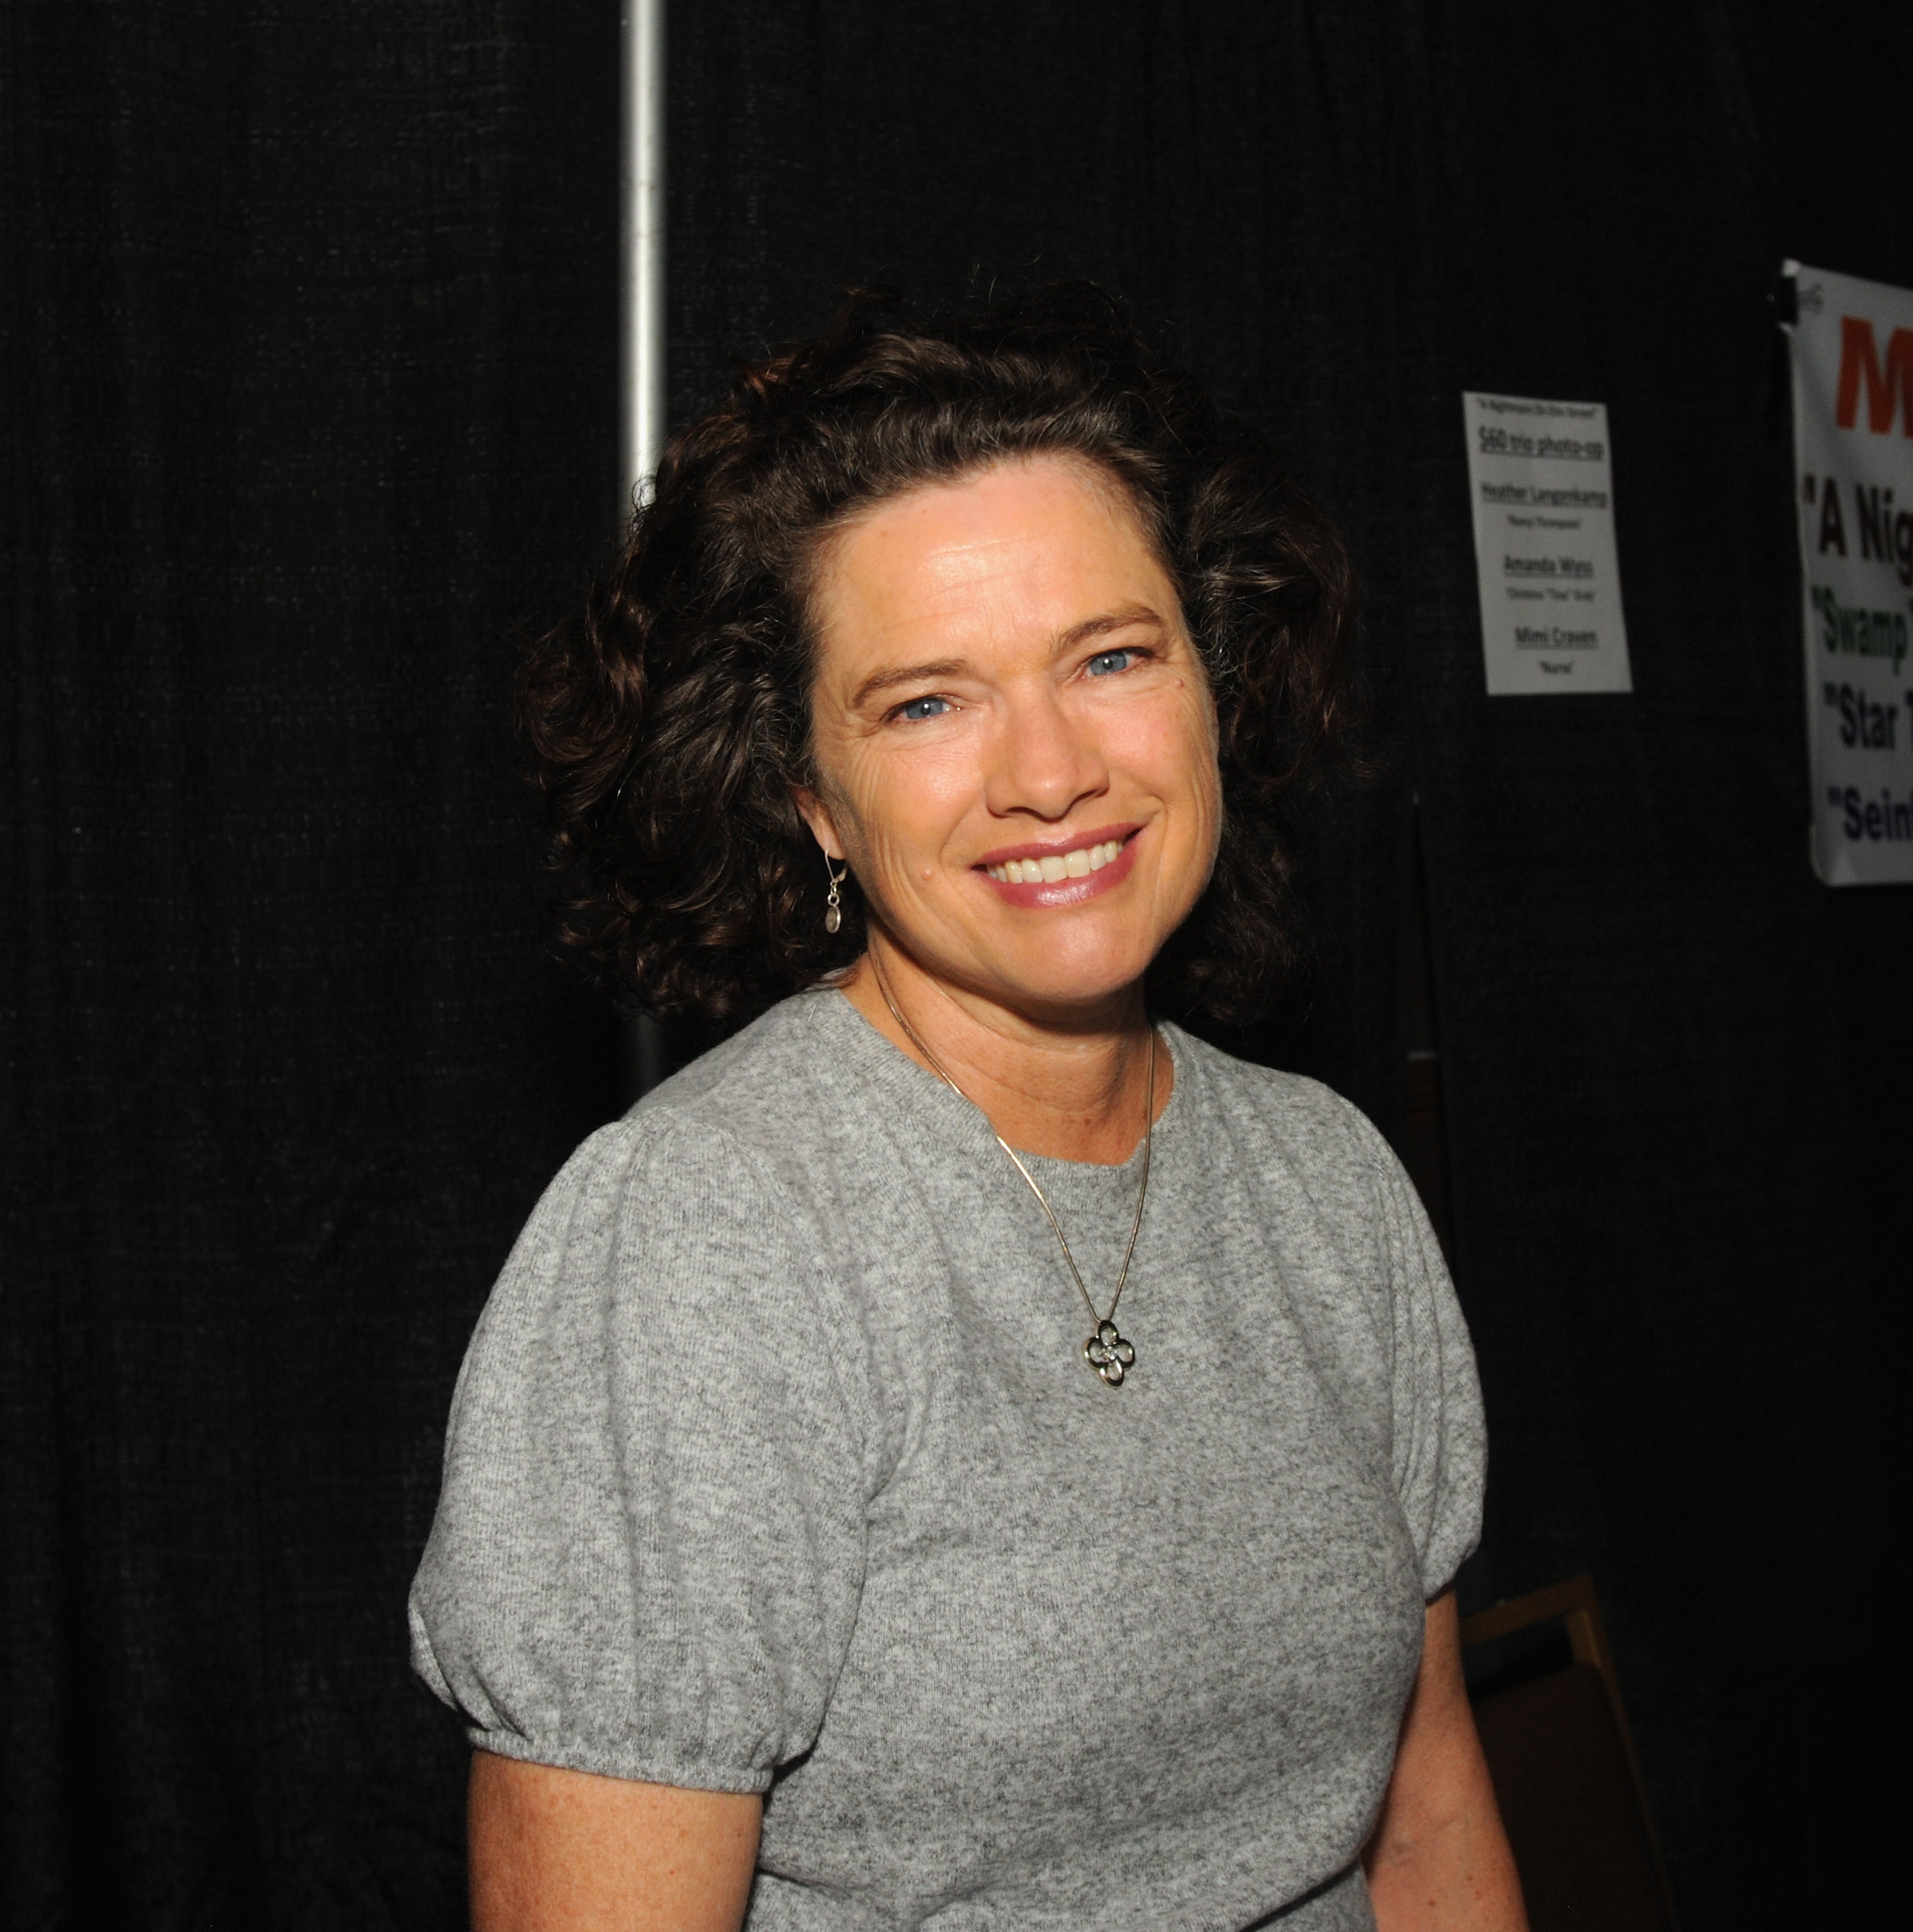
(968, 587)
(922, 629)
(972, 589)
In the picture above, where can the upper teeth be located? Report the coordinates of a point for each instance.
(1076, 864)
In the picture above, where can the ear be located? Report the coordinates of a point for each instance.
(817, 815)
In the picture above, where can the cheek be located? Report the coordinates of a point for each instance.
(844, 788)
(894, 812)
(1206, 750)
(1174, 752)
(1190, 780)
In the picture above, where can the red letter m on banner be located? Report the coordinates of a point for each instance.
(1885, 389)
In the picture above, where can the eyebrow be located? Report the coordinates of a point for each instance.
(906, 674)
(1120, 619)
(929, 673)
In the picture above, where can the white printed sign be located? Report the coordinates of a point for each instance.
(1550, 576)
(1852, 398)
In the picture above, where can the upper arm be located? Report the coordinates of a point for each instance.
(553, 1848)
(1439, 1857)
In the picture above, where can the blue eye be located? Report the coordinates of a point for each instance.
(919, 709)
(1106, 663)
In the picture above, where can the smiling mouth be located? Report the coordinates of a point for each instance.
(1076, 862)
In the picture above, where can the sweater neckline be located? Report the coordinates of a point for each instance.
(903, 1082)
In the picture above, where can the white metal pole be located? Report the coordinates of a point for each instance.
(641, 222)
(641, 337)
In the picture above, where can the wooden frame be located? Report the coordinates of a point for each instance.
(1575, 1603)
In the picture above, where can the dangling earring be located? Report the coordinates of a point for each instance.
(833, 909)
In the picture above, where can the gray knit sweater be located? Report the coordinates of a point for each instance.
(775, 1466)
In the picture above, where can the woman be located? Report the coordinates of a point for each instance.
(959, 1454)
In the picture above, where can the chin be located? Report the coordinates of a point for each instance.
(1085, 959)
(1084, 983)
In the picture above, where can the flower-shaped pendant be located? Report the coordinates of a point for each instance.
(1109, 1354)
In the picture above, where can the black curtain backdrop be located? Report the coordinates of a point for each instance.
(309, 383)
(309, 309)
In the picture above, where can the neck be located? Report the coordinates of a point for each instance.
(1072, 1087)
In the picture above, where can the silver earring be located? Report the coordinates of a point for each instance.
(833, 908)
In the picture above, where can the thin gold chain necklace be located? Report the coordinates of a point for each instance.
(1108, 1351)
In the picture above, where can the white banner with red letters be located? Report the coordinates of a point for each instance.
(1852, 401)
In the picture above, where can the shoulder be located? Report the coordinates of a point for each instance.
(729, 1119)
(1308, 1158)
(672, 1239)
(696, 1194)
(1314, 1128)
(758, 1091)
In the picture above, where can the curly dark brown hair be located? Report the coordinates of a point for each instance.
(668, 722)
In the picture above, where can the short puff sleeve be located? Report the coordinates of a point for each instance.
(1439, 1453)
(649, 1548)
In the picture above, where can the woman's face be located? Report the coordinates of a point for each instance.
(1016, 743)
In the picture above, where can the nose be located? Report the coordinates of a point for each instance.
(1044, 761)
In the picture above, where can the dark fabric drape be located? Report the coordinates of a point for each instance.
(309, 350)
(309, 387)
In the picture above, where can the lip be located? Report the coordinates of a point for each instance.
(1055, 848)
(1064, 892)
